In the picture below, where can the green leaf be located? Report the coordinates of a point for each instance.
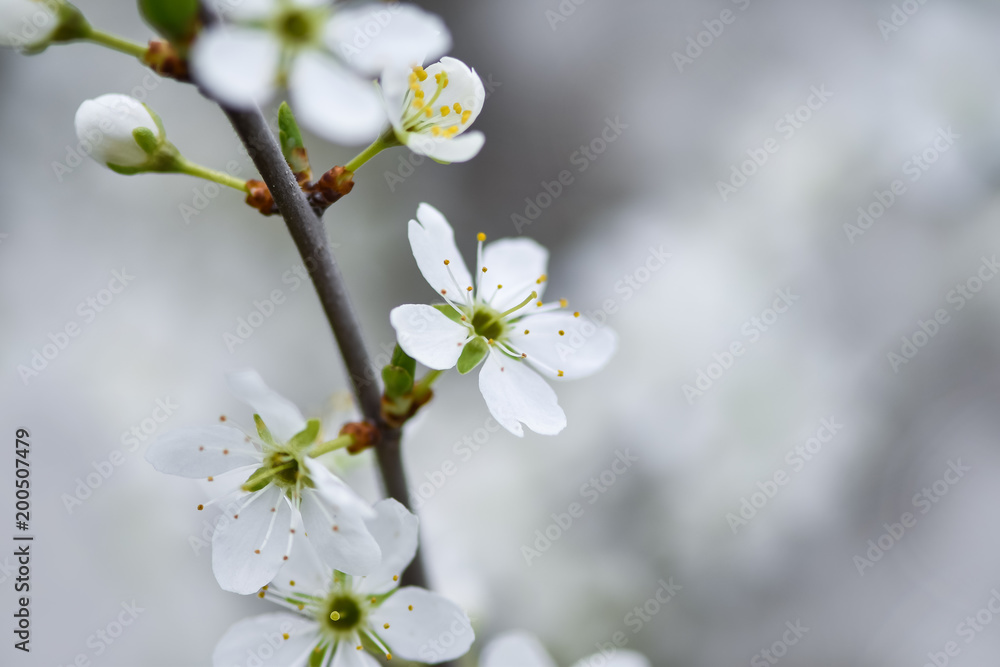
(404, 361)
(475, 351)
(398, 381)
(449, 312)
(306, 436)
(146, 139)
(292, 146)
(263, 431)
(177, 20)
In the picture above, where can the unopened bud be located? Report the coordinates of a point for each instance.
(123, 132)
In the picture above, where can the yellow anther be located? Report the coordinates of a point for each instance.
(359, 648)
(410, 607)
(417, 104)
(541, 279)
(284, 636)
(420, 72)
(428, 112)
(452, 131)
(561, 373)
(445, 110)
(436, 131)
(563, 303)
(388, 656)
(395, 577)
(562, 333)
(524, 355)
(201, 507)
(457, 107)
(374, 600)
(261, 595)
(466, 115)
(499, 286)
(526, 332)
(447, 262)
(485, 269)
(469, 288)
(576, 314)
(334, 615)
(538, 303)
(385, 625)
(418, 93)
(480, 236)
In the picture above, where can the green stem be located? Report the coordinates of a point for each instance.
(386, 140)
(198, 171)
(421, 388)
(117, 43)
(337, 443)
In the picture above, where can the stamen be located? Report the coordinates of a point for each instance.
(458, 107)
(466, 115)
(420, 72)
(518, 306)
(445, 111)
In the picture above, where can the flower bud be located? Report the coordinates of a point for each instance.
(123, 133)
(31, 25)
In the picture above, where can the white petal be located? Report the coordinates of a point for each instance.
(515, 648)
(465, 88)
(374, 37)
(620, 658)
(237, 66)
(304, 566)
(106, 124)
(518, 265)
(237, 566)
(427, 335)
(341, 538)
(348, 655)
(432, 241)
(515, 393)
(435, 630)
(282, 417)
(202, 452)
(25, 23)
(260, 637)
(246, 10)
(461, 148)
(396, 531)
(334, 102)
(583, 349)
(336, 492)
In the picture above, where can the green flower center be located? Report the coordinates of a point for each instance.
(486, 322)
(342, 613)
(298, 27)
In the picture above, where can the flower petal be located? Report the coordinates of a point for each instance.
(465, 88)
(515, 648)
(422, 626)
(341, 538)
(25, 23)
(347, 655)
(515, 393)
(237, 66)
(432, 241)
(374, 37)
(249, 548)
(427, 335)
(202, 451)
(619, 658)
(396, 531)
(107, 123)
(261, 637)
(461, 148)
(304, 567)
(517, 264)
(336, 492)
(282, 417)
(582, 349)
(334, 102)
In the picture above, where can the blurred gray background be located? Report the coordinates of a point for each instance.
(557, 80)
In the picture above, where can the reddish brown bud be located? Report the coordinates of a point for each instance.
(365, 435)
(162, 58)
(259, 197)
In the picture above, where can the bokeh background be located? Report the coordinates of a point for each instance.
(559, 74)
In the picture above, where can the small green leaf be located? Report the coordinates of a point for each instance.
(449, 312)
(306, 436)
(398, 381)
(475, 351)
(404, 361)
(263, 431)
(177, 20)
(292, 146)
(146, 139)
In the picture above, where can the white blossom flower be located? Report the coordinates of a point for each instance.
(521, 649)
(502, 319)
(328, 57)
(27, 24)
(337, 616)
(109, 123)
(284, 489)
(430, 110)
